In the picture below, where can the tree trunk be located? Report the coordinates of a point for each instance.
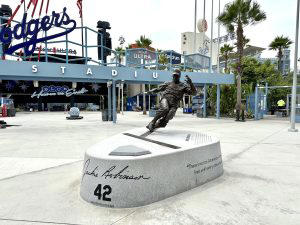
(279, 61)
(144, 100)
(240, 49)
(226, 63)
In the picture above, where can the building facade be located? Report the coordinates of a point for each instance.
(256, 52)
(202, 45)
(285, 67)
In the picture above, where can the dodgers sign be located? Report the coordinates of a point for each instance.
(29, 31)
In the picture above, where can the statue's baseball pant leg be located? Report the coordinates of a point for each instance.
(161, 113)
(243, 115)
(164, 121)
(237, 115)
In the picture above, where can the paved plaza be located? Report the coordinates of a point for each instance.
(41, 163)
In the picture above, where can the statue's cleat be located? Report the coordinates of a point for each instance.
(150, 127)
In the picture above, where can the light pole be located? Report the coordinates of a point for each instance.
(122, 106)
(218, 58)
(195, 27)
(294, 91)
(204, 5)
(212, 34)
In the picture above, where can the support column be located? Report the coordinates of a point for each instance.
(266, 103)
(218, 101)
(109, 100)
(114, 101)
(144, 100)
(256, 103)
(72, 101)
(1, 48)
(119, 98)
(157, 99)
(149, 98)
(40, 104)
(122, 102)
(204, 100)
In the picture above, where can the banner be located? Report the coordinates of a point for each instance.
(176, 57)
(197, 61)
(138, 57)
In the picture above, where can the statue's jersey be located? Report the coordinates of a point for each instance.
(174, 92)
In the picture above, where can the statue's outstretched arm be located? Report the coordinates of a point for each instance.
(191, 90)
(160, 88)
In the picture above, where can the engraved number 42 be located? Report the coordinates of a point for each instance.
(107, 191)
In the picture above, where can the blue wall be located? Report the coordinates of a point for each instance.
(14, 70)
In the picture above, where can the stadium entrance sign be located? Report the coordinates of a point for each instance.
(29, 31)
(57, 90)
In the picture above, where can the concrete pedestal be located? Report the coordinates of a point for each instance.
(74, 114)
(136, 168)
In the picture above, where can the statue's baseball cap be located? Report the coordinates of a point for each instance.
(177, 72)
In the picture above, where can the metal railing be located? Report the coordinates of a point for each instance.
(135, 57)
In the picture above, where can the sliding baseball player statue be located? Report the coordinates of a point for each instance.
(172, 93)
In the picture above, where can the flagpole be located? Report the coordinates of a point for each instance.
(218, 58)
(82, 30)
(203, 44)
(212, 35)
(294, 89)
(195, 27)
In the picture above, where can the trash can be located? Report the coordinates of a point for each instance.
(8, 112)
(199, 113)
(104, 115)
(4, 111)
(11, 112)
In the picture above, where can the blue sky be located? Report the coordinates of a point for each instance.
(164, 20)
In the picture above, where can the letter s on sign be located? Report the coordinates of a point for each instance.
(34, 69)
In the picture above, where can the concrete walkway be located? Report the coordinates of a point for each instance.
(41, 162)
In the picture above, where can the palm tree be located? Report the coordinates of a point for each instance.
(120, 53)
(144, 42)
(236, 16)
(162, 59)
(245, 41)
(278, 44)
(225, 51)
